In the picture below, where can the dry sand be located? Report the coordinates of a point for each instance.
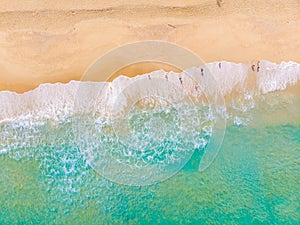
(56, 41)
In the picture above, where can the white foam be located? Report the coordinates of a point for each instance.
(277, 76)
(3, 151)
(48, 101)
(229, 75)
(56, 101)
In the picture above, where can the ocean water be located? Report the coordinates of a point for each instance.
(50, 160)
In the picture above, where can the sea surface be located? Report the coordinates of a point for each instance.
(52, 172)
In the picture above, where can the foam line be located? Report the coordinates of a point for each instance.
(56, 101)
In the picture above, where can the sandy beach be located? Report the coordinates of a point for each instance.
(56, 41)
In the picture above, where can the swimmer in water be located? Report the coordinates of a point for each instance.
(166, 76)
(149, 77)
(253, 67)
(258, 66)
(180, 79)
(202, 72)
(220, 65)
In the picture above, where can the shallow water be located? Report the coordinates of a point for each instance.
(255, 179)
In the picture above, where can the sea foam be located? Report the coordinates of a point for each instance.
(56, 101)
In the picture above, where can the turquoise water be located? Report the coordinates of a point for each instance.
(255, 179)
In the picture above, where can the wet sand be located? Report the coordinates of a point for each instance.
(56, 42)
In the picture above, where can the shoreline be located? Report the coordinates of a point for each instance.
(132, 72)
(274, 86)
